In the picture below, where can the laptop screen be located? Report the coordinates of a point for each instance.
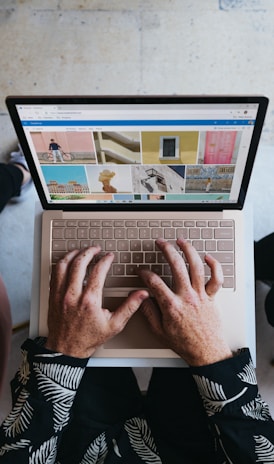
(140, 152)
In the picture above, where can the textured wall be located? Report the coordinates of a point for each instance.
(135, 47)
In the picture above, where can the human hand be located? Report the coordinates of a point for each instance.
(186, 318)
(77, 322)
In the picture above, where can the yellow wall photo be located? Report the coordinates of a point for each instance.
(187, 147)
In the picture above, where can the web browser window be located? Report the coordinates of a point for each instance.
(179, 153)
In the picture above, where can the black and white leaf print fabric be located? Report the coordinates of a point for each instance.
(264, 450)
(20, 417)
(46, 454)
(14, 446)
(248, 374)
(141, 440)
(96, 452)
(257, 409)
(213, 396)
(24, 370)
(59, 384)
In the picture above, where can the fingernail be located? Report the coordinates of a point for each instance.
(160, 240)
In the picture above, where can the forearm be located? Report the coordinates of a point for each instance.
(238, 416)
(43, 393)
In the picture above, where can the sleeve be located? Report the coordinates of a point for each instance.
(43, 392)
(239, 418)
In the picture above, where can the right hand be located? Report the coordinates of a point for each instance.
(186, 318)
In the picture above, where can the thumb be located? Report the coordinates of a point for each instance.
(152, 313)
(125, 311)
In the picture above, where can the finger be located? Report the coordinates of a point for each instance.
(97, 277)
(78, 269)
(196, 266)
(177, 265)
(216, 280)
(121, 316)
(157, 287)
(59, 271)
(152, 313)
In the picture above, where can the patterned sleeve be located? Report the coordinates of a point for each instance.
(239, 418)
(43, 392)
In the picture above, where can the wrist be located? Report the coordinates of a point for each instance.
(211, 358)
(208, 355)
(68, 350)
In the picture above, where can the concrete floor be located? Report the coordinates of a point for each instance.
(156, 46)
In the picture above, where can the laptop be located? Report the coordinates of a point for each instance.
(120, 171)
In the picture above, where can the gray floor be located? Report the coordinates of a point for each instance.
(105, 47)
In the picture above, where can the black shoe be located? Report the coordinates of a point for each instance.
(264, 259)
(269, 306)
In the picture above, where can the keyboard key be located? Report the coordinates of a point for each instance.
(228, 282)
(144, 233)
(223, 257)
(56, 255)
(71, 233)
(119, 233)
(210, 245)
(135, 245)
(182, 233)
(58, 223)
(71, 223)
(118, 269)
(148, 245)
(110, 245)
(137, 257)
(228, 269)
(123, 245)
(157, 268)
(223, 233)
(73, 245)
(207, 233)
(94, 233)
(95, 223)
(150, 257)
(154, 223)
(194, 234)
(81, 233)
(198, 245)
(100, 243)
(157, 233)
(107, 233)
(85, 244)
(125, 257)
(59, 245)
(58, 233)
(132, 233)
(107, 224)
(225, 245)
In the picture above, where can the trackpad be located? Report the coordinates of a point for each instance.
(136, 334)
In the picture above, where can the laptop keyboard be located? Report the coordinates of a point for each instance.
(133, 245)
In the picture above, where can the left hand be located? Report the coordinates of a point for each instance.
(77, 322)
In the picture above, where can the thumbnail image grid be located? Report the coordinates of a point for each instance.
(137, 166)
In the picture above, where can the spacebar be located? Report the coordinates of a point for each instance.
(124, 282)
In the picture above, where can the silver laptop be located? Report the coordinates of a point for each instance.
(120, 171)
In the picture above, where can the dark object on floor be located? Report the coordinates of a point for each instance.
(264, 271)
